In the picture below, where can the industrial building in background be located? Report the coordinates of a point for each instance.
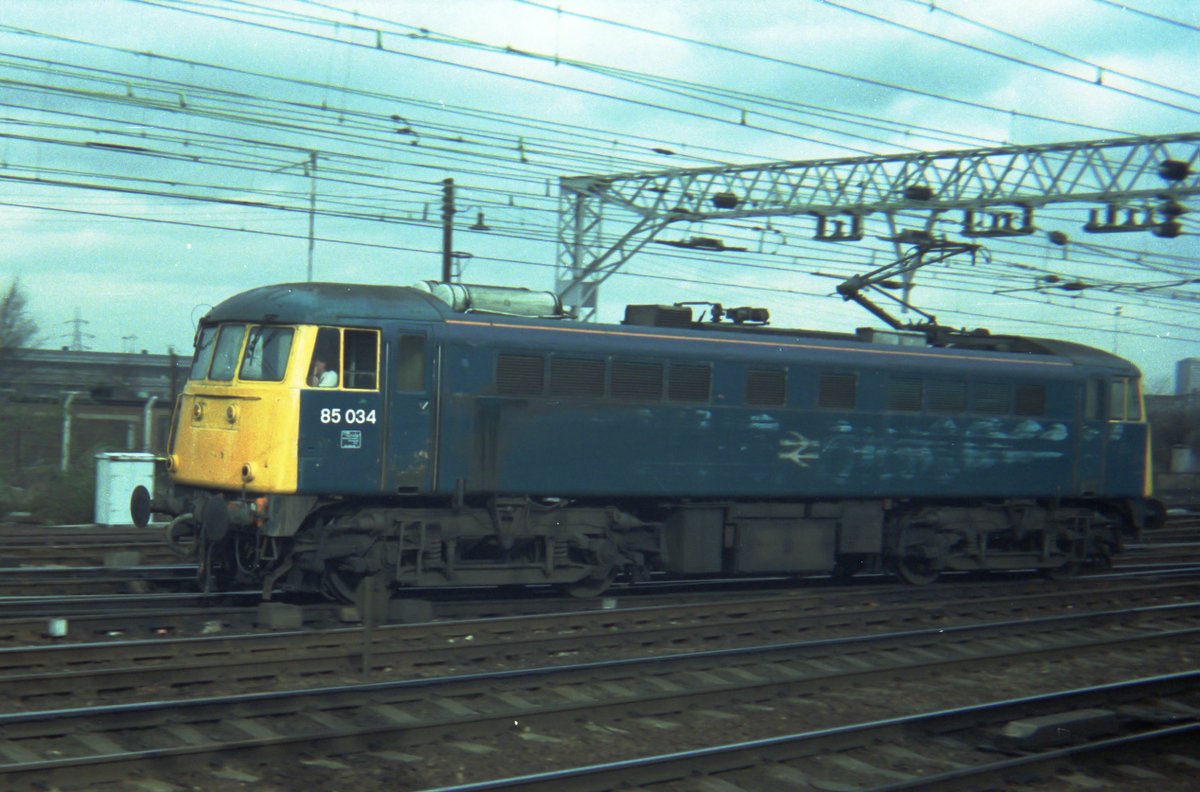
(61, 407)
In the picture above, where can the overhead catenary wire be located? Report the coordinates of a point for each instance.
(891, 86)
(1098, 69)
(673, 278)
(488, 156)
(1127, 8)
(1139, 96)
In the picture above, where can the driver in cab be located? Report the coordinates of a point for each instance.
(322, 376)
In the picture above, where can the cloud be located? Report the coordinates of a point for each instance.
(394, 112)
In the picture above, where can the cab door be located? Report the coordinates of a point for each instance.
(1127, 452)
(342, 414)
(1090, 452)
(411, 414)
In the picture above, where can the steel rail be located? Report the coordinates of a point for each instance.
(98, 617)
(47, 673)
(89, 738)
(686, 765)
(25, 580)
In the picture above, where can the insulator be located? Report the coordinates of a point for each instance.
(1172, 209)
(725, 200)
(1174, 170)
(746, 314)
(1169, 230)
(918, 192)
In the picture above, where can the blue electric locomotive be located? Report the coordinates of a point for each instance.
(332, 434)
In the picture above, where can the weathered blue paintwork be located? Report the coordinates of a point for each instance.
(726, 449)
(341, 450)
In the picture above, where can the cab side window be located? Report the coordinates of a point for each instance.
(410, 370)
(360, 359)
(345, 358)
(1125, 400)
(326, 359)
(1093, 404)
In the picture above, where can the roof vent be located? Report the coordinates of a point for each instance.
(872, 335)
(658, 315)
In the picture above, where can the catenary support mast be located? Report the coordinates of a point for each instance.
(605, 220)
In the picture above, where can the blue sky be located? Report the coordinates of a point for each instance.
(157, 156)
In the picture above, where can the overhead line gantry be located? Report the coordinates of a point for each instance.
(605, 220)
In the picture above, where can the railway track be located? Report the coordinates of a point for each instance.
(52, 560)
(56, 580)
(70, 675)
(664, 680)
(96, 618)
(33, 621)
(82, 545)
(996, 744)
(63, 746)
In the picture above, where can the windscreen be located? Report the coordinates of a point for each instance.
(266, 355)
(204, 353)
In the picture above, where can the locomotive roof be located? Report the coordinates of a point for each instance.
(327, 303)
(340, 303)
(1079, 354)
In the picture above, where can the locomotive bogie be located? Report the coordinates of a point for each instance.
(509, 543)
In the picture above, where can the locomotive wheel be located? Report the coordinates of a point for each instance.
(846, 568)
(590, 586)
(916, 571)
(215, 570)
(1064, 541)
(182, 536)
(340, 586)
(913, 563)
(1064, 572)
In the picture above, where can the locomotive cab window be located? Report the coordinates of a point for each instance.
(266, 355)
(326, 359)
(228, 350)
(348, 359)
(204, 353)
(360, 359)
(1124, 400)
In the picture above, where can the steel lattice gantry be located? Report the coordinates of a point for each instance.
(605, 220)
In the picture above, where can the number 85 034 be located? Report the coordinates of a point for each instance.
(336, 415)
